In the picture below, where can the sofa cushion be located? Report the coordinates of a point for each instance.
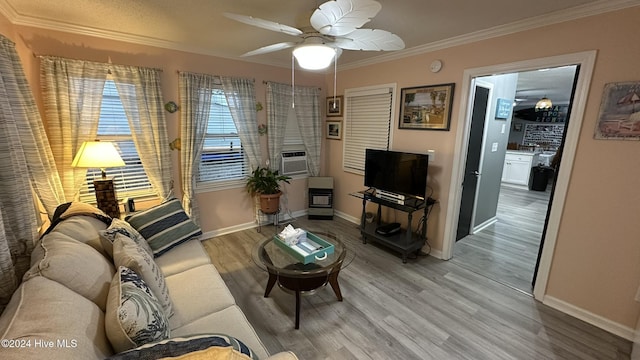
(73, 264)
(197, 292)
(83, 228)
(164, 226)
(133, 317)
(108, 236)
(229, 321)
(183, 257)
(129, 254)
(175, 347)
(45, 311)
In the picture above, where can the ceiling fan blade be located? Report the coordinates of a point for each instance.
(265, 24)
(270, 48)
(340, 17)
(370, 40)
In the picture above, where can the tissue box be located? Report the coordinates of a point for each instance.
(301, 254)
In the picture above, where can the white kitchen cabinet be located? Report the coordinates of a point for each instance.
(517, 167)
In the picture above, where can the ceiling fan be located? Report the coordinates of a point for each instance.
(335, 25)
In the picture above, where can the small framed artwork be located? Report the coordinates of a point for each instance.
(619, 117)
(426, 107)
(334, 129)
(503, 109)
(334, 106)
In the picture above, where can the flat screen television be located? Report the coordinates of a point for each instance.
(397, 172)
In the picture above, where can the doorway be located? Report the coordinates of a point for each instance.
(586, 62)
(500, 238)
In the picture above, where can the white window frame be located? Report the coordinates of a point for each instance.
(372, 141)
(87, 192)
(215, 185)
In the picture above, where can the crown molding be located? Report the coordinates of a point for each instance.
(578, 12)
(557, 17)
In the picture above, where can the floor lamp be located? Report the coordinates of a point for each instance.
(102, 155)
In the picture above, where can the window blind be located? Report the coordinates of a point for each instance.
(130, 180)
(292, 135)
(367, 125)
(223, 158)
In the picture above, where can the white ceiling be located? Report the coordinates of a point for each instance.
(198, 26)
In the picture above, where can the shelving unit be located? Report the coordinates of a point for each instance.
(405, 241)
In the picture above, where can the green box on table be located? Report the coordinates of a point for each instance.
(320, 254)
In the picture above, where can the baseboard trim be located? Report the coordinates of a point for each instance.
(591, 318)
(484, 225)
(228, 230)
(347, 217)
(436, 254)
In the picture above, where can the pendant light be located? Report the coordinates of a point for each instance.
(544, 104)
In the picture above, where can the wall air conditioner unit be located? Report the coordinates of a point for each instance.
(293, 163)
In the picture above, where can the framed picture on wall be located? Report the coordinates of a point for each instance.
(426, 107)
(334, 129)
(619, 117)
(334, 106)
(503, 109)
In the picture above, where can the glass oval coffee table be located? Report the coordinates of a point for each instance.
(293, 276)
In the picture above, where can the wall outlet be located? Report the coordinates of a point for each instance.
(432, 155)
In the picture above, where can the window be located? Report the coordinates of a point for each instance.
(130, 180)
(367, 124)
(223, 161)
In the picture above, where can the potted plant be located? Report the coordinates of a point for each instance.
(266, 183)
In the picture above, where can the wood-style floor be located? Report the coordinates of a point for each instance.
(507, 250)
(425, 309)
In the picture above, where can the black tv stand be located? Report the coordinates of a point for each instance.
(404, 241)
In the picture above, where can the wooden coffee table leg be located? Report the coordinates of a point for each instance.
(333, 281)
(272, 281)
(297, 309)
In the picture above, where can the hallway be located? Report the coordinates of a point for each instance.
(507, 250)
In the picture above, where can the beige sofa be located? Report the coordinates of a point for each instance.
(58, 312)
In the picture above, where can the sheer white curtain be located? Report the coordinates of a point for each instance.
(72, 98)
(307, 114)
(279, 108)
(310, 124)
(45, 179)
(141, 96)
(241, 98)
(195, 97)
(19, 163)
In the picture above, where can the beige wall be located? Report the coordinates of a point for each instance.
(221, 209)
(596, 266)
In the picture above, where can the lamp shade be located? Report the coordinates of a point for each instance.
(97, 154)
(544, 104)
(314, 56)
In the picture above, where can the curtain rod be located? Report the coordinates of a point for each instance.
(95, 62)
(197, 73)
(267, 82)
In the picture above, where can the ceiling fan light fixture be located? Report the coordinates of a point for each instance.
(314, 56)
(544, 104)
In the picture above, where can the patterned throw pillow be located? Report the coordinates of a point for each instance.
(184, 345)
(131, 255)
(164, 226)
(108, 236)
(133, 317)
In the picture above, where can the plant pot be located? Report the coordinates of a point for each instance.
(270, 203)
